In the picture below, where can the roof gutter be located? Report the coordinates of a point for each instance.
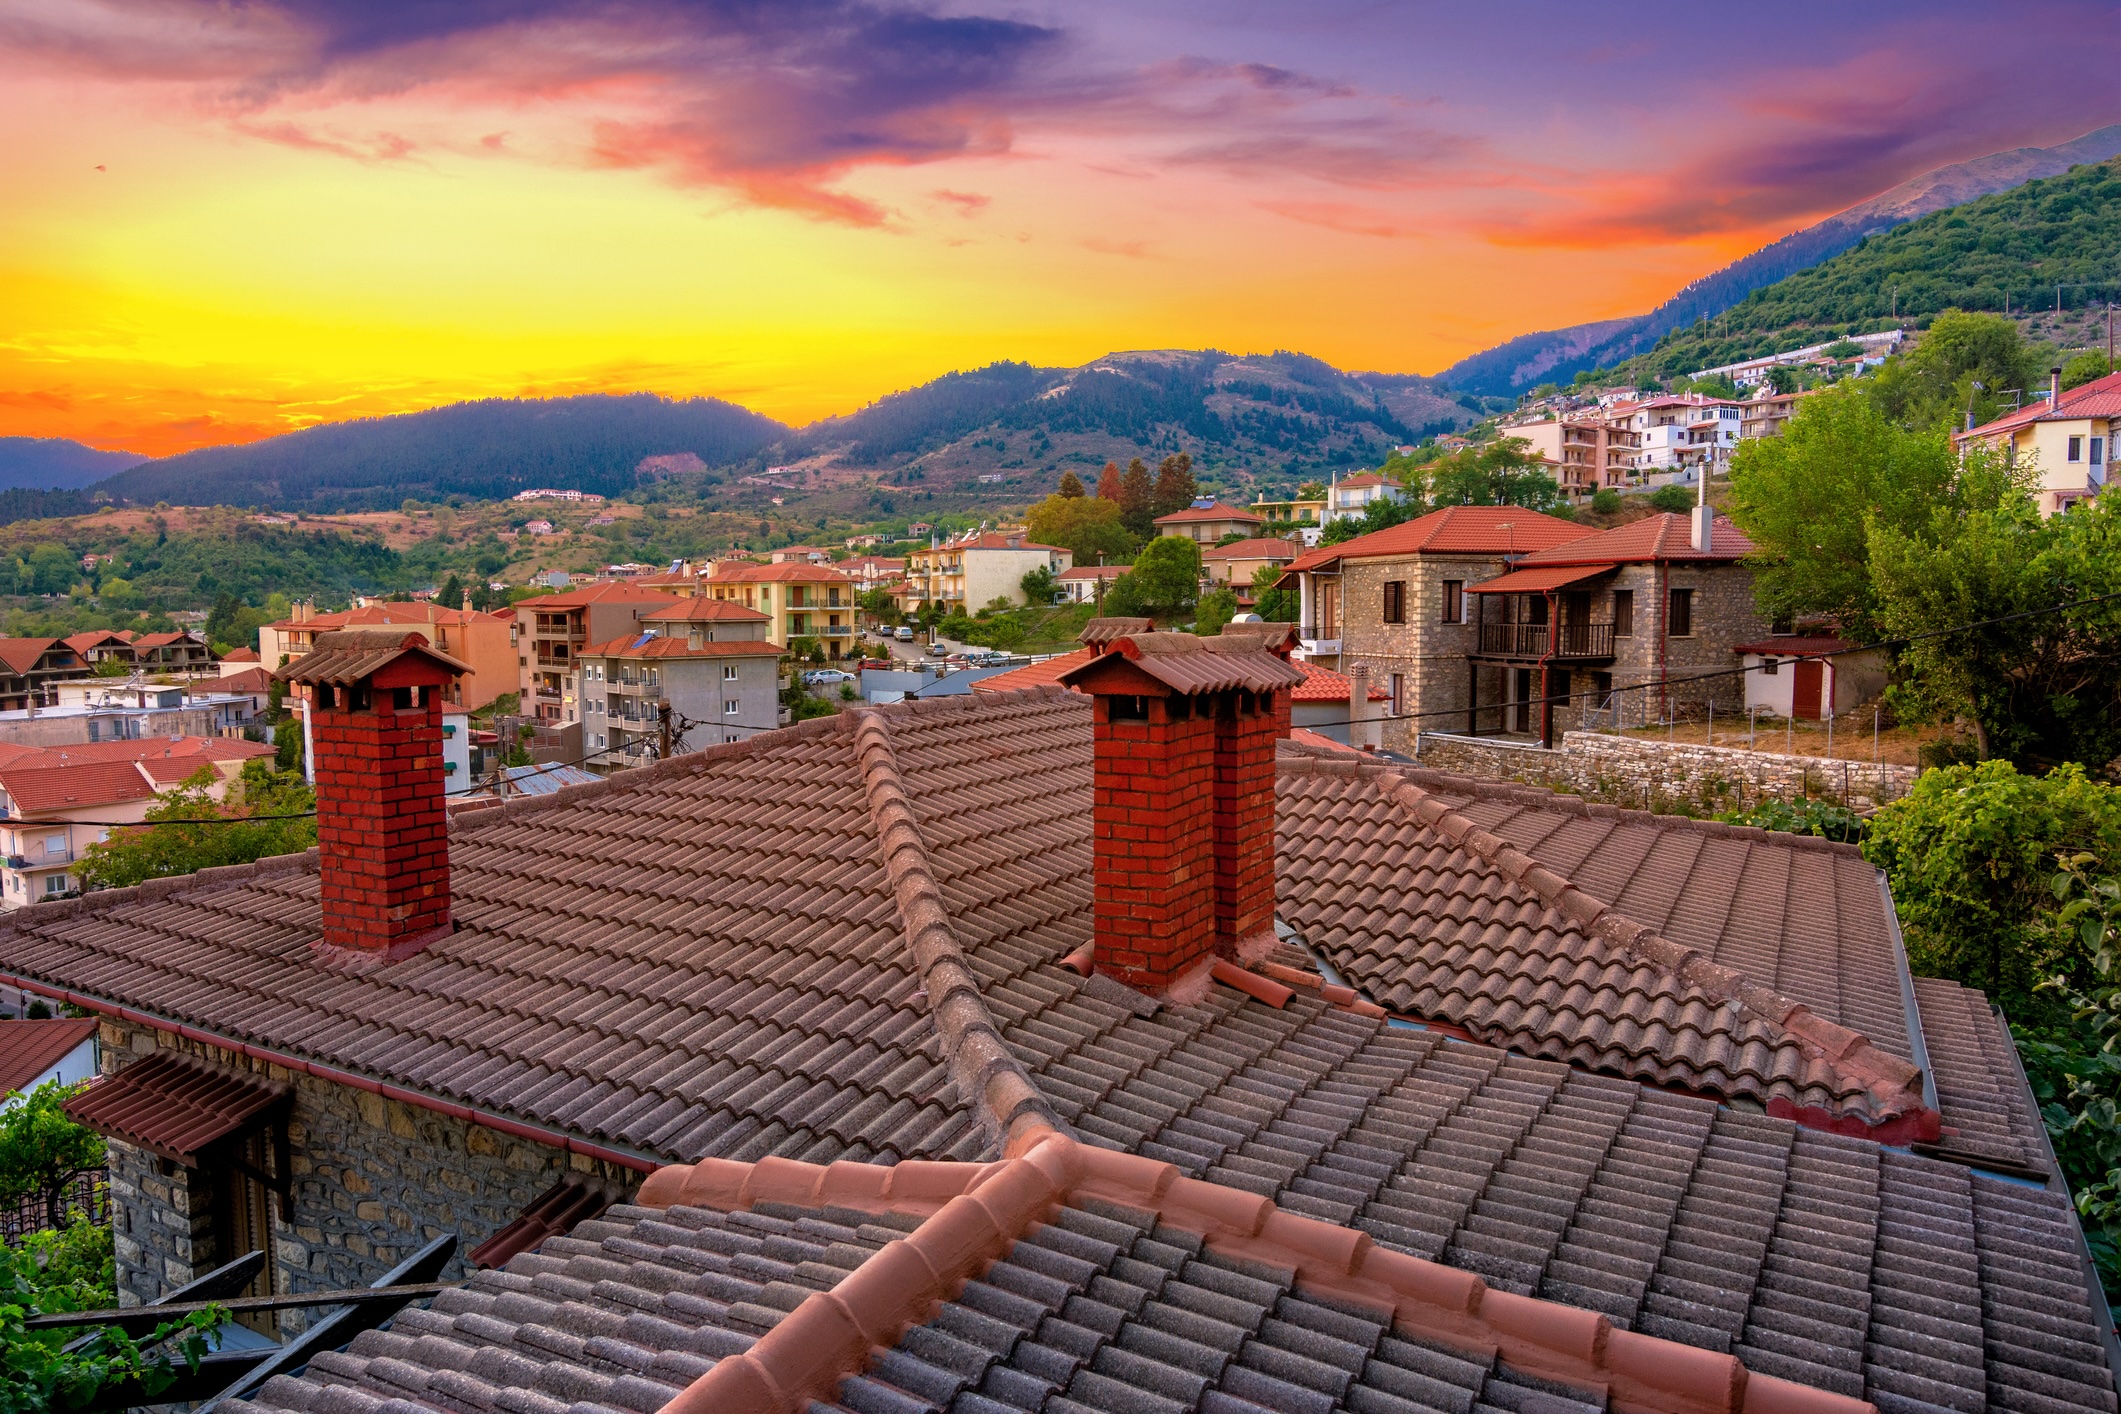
(636, 1160)
(1917, 1042)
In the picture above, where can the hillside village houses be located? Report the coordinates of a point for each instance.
(485, 642)
(972, 572)
(1088, 1047)
(2067, 438)
(1349, 497)
(705, 662)
(800, 601)
(1232, 566)
(1208, 520)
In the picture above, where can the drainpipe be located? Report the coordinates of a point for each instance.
(1546, 688)
(1664, 624)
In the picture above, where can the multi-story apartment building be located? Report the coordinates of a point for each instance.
(1208, 520)
(1683, 432)
(705, 663)
(30, 667)
(2067, 439)
(1351, 496)
(799, 600)
(1624, 623)
(551, 629)
(972, 573)
(485, 643)
(1395, 601)
(1585, 451)
(1293, 510)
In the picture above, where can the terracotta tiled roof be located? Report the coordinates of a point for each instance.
(29, 1048)
(1665, 536)
(249, 680)
(1218, 511)
(1093, 572)
(669, 645)
(2099, 398)
(392, 611)
(608, 592)
(1454, 530)
(1260, 547)
(703, 610)
(349, 654)
(1649, 946)
(1980, 1087)
(1537, 581)
(240, 655)
(174, 1105)
(44, 791)
(1041, 674)
(843, 945)
(96, 638)
(1357, 483)
(20, 655)
(1325, 685)
(164, 640)
(793, 572)
(1189, 664)
(188, 748)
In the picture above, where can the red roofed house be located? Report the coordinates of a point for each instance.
(103, 645)
(550, 629)
(1650, 602)
(1349, 497)
(2067, 437)
(1395, 601)
(1208, 520)
(57, 801)
(485, 642)
(1232, 566)
(179, 652)
(706, 661)
(30, 666)
(240, 660)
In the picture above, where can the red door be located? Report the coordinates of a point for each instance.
(1804, 692)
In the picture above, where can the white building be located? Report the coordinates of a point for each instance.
(1684, 432)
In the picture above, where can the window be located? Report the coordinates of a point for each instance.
(1770, 666)
(1681, 624)
(55, 883)
(1454, 601)
(728, 737)
(2098, 451)
(2076, 449)
(1623, 612)
(1395, 601)
(730, 706)
(1399, 694)
(728, 672)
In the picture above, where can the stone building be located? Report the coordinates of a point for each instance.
(1658, 605)
(1395, 601)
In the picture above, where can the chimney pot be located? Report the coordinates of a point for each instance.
(1704, 529)
(2054, 388)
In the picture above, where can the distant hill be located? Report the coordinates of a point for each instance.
(2012, 249)
(1241, 417)
(1556, 355)
(1245, 417)
(57, 463)
(486, 450)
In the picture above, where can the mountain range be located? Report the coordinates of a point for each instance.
(1556, 355)
(1000, 431)
(57, 464)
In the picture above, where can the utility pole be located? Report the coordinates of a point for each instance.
(663, 729)
(2109, 336)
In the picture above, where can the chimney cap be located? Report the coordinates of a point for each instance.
(1187, 664)
(349, 655)
(1099, 632)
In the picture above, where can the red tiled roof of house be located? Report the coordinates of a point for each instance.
(608, 592)
(1262, 547)
(36, 789)
(389, 613)
(665, 645)
(698, 609)
(2099, 398)
(249, 680)
(175, 1105)
(1795, 644)
(194, 748)
(1218, 511)
(1537, 581)
(96, 638)
(1361, 480)
(240, 655)
(21, 654)
(1454, 530)
(1666, 536)
(793, 572)
(1045, 673)
(785, 986)
(1093, 572)
(29, 1048)
(1325, 685)
(992, 540)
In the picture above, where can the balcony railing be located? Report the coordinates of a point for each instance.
(1329, 632)
(1530, 641)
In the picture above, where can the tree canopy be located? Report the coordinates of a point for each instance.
(1087, 526)
(165, 845)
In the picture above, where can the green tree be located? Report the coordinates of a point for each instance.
(1167, 574)
(452, 593)
(1071, 486)
(1499, 473)
(1782, 378)
(2040, 686)
(1123, 599)
(1810, 498)
(1272, 600)
(167, 844)
(1673, 500)
(1969, 853)
(1175, 487)
(1087, 527)
(1934, 384)
(51, 568)
(1038, 585)
(42, 1151)
(1605, 501)
(1216, 608)
(2083, 368)
(1137, 501)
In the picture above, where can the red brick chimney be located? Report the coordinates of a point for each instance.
(374, 702)
(1184, 815)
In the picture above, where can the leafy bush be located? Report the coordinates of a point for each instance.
(1676, 499)
(166, 845)
(1217, 607)
(42, 1150)
(1605, 501)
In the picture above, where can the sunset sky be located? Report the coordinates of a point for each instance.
(221, 219)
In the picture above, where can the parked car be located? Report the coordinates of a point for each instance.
(937, 650)
(826, 677)
(903, 633)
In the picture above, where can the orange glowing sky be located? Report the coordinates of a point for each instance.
(221, 222)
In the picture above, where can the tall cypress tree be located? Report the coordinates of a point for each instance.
(1137, 500)
(1108, 483)
(1175, 487)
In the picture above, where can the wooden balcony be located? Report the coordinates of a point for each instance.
(1529, 642)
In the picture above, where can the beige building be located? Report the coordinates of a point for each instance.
(550, 629)
(486, 643)
(1208, 521)
(1232, 566)
(971, 574)
(799, 600)
(2066, 439)
(1586, 452)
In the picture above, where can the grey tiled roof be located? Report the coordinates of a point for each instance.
(1980, 1089)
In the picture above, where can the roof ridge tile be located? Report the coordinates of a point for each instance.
(1894, 1085)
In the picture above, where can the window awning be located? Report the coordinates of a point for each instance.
(176, 1106)
(1540, 579)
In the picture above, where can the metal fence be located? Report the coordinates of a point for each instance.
(89, 1192)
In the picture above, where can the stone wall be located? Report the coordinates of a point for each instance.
(372, 1180)
(1645, 772)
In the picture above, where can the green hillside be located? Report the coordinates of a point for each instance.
(2003, 252)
